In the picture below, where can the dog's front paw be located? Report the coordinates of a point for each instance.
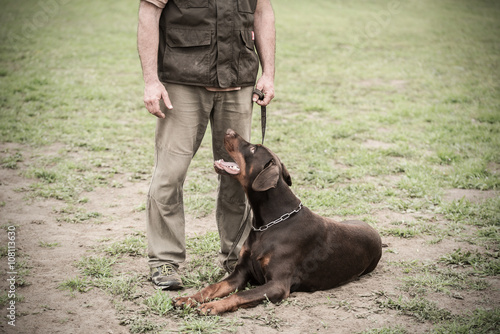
(180, 302)
(208, 309)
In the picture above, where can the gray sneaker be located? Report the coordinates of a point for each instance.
(166, 277)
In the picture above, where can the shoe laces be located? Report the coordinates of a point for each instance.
(167, 270)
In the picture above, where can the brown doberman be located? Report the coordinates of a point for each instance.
(290, 248)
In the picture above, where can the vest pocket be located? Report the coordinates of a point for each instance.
(187, 55)
(184, 38)
(248, 62)
(191, 3)
(247, 6)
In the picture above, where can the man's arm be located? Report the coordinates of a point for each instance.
(147, 45)
(265, 39)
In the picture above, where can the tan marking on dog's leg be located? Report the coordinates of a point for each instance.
(265, 261)
(217, 290)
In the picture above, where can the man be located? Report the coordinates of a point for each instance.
(199, 65)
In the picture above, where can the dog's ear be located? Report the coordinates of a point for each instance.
(286, 175)
(267, 178)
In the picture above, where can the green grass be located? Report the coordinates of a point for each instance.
(75, 214)
(474, 175)
(203, 268)
(4, 298)
(408, 230)
(140, 325)
(204, 244)
(133, 245)
(479, 321)
(486, 264)
(23, 269)
(205, 325)
(4, 251)
(368, 116)
(483, 214)
(96, 266)
(123, 286)
(75, 284)
(159, 303)
(45, 244)
(420, 308)
(387, 330)
(421, 278)
(443, 281)
(11, 161)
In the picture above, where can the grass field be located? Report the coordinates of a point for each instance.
(386, 111)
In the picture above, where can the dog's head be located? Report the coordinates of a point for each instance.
(256, 167)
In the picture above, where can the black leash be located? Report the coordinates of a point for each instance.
(247, 210)
(262, 113)
(243, 224)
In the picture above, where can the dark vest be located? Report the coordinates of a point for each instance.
(208, 43)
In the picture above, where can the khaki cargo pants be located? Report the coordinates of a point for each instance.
(177, 139)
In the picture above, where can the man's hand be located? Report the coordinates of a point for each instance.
(266, 85)
(153, 93)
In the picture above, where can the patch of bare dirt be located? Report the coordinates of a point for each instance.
(494, 168)
(45, 308)
(472, 195)
(375, 144)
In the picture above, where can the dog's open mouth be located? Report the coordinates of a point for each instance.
(229, 167)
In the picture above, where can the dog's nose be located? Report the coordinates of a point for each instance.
(230, 132)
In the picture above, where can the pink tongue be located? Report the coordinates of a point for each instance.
(229, 167)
